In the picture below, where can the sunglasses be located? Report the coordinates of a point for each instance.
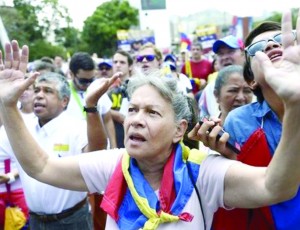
(149, 57)
(261, 45)
(84, 81)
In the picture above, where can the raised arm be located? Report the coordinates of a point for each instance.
(247, 186)
(61, 172)
(97, 138)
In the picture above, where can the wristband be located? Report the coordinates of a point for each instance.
(11, 177)
(90, 109)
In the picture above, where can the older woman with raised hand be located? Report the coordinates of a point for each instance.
(156, 182)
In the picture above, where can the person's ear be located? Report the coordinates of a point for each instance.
(180, 131)
(65, 102)
(253, 85)
(71, 74)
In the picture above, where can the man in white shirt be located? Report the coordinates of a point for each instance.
(61, 136)
(82, 73)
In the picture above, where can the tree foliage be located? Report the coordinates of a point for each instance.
(100, 29)
(276, 17)
(32, 22)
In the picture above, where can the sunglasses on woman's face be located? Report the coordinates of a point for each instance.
(261, 45)
(149, 57)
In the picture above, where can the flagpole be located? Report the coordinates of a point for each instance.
(3, 34)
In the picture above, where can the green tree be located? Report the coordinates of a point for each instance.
(276, 17)
(32, 22)
(100, 30)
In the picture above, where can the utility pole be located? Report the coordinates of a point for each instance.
(3, 34)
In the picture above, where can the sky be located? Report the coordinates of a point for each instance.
(81, 9)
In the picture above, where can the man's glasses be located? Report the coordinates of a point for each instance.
(149, 57)
(85, 81)
(261, 45)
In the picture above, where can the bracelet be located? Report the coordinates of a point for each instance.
(11, 177)
(90, 109)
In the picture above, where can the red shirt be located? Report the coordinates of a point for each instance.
(200, 70)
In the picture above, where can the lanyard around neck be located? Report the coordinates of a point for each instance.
(77, 99)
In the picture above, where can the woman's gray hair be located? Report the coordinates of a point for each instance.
(167, 87)
(223, 76)
(61, 83)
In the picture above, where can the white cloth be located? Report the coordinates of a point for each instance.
(17, 183)
(97, 168)
(184, 83)
(61, 137)
(207, 102)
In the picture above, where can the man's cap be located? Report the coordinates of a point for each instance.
(229, 41)
(105, 62)
(170, 57)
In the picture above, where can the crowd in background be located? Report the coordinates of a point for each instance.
(225, 87)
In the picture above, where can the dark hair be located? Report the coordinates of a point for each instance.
(81, 60)
(126, 54)
(248, 74)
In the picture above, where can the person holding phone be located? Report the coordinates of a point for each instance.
(257, 127)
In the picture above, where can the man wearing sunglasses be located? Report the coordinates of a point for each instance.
(149, 58)
(82, 72)
(104, 69)
(257, 127)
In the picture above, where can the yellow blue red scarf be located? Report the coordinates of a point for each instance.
(132, 203)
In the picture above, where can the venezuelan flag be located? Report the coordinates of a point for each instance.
(185, 42)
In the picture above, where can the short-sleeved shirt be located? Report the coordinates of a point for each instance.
(97, 168)
(243, 121)
(63, 136)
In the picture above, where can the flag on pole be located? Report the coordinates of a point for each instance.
(185, 42)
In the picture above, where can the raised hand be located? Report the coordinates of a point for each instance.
(284, 77)
(98, 87)
(12, 72)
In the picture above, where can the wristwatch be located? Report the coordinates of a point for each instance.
(90, 109)
(11, 177)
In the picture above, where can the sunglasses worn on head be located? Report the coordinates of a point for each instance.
(149, 57)
(85, 81)
(261, 45)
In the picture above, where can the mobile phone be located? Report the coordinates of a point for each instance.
(231, 144)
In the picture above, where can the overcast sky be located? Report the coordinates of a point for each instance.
(80, 9)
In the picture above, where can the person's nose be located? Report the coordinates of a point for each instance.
(39, 94)
(241, 96)
(138, 120)
(271, 44)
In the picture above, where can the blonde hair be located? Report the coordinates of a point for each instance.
(157, 52)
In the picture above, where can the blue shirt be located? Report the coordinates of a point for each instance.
(243, 121)
(240, 124)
